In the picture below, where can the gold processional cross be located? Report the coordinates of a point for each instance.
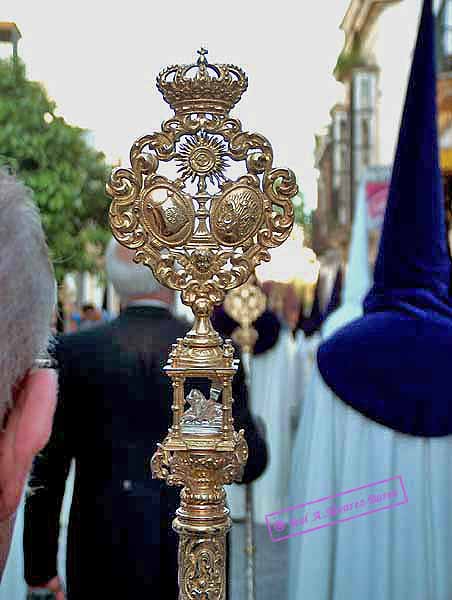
(202, 234)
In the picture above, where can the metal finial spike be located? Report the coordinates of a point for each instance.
(202, 60)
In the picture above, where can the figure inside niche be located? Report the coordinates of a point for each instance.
(203, 411)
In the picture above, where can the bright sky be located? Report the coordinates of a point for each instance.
(98, 61)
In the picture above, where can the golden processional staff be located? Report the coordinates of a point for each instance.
(202, 234)
(245, 305)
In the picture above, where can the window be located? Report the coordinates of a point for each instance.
(365, 142)
(343, 130)
(447, 28)
(365, 93)
(342, 215)
(344, 159)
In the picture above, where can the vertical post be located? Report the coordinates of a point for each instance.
(245, 304)
(178, 403)
(227, 408)
(352, 144)
(250, 548)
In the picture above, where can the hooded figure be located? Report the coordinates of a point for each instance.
(308, 335)
(315, 453)
(393, 364)
(381, 394)
(267, 326)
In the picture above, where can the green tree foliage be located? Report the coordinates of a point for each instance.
(53, 158)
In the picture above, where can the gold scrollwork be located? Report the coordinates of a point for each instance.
(204, 567)
(244, 210)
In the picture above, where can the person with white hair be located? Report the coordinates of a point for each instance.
(114, 407)
(27, 392)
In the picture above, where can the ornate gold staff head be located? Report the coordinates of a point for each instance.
(203, 234)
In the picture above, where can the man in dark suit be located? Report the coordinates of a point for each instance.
(114, 407)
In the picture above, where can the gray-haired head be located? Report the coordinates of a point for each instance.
(27, 286)
(129, 279)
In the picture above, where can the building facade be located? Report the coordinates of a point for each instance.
(351, 142)
(364, 128)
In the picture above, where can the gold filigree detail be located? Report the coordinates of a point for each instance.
(167, 214)
(201, 156)
(246, 219)
(237, 214)
(203, 576)
(245, 305)
(201, 473)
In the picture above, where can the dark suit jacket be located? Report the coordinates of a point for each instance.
(113, 408)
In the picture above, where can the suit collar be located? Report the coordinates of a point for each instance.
(150, 302)
(147, 310)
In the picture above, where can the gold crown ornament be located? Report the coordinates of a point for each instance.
(203, 234)
(202, 87)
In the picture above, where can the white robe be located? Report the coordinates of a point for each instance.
(13, 586)
(305, 355)
(272, 392)
(403, 552)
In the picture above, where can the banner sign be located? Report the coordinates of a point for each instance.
(376, 182)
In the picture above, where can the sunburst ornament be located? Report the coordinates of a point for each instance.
(201, 156)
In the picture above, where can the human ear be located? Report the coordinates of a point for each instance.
(27, 431)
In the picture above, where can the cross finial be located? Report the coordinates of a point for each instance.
(202, 60)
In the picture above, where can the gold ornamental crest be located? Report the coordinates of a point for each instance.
(202, 232)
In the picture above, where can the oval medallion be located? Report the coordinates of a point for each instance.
(168, 215)
(237, 215)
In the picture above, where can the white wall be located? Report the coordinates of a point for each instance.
(394, 41)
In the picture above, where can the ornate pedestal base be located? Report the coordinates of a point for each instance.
(202, 520)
